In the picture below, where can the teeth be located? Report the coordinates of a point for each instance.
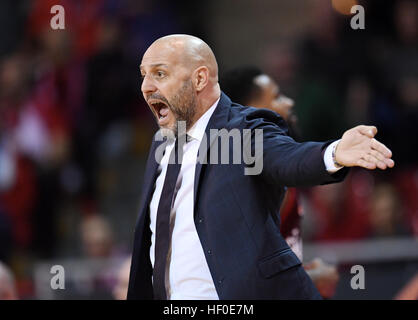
(161, 109)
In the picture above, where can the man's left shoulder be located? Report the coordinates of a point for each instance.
(247, 117)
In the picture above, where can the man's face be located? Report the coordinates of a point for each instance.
(167, 86)
(271, 97)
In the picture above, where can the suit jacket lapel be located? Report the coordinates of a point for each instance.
(149, 181)
(140, 231)
(218, 120)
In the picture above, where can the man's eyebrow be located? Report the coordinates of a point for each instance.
(155, 65)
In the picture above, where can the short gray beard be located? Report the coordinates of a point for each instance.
(184, 105)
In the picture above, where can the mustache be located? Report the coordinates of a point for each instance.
(157, 96)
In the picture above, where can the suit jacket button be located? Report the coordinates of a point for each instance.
(209, 251)
(200, 220)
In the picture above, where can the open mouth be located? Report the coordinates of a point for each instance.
(160, 109)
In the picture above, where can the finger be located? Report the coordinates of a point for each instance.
(369, 131)
(371, 159)
(379, 156)
(376, 154)
(381, 164)
(390, 163)
(380, 147)
(365, 164)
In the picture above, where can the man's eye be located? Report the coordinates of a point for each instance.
(160, 74)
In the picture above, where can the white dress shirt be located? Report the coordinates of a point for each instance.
(187, 272)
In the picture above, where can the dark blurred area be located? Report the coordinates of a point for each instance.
(75, 130)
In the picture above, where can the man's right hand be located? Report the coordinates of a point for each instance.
(358, 147)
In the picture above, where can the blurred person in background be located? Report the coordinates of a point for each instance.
(97, 237)
(386, 212)
(7, 284)
(122, 282)
(99, 248)
(250, 86)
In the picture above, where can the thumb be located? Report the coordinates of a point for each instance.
(369, 131)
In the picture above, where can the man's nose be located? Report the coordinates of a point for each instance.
(147, 86)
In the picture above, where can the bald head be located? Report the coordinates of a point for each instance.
(180, 79)
(191, 51)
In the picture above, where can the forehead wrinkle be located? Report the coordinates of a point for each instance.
(160, 53)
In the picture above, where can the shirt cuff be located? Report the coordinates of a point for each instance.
(329, 162)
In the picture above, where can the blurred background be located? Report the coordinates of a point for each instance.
(75, 131)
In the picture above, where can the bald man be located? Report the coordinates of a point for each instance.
(207, 230)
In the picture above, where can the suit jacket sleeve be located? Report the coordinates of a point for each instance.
(285, 161)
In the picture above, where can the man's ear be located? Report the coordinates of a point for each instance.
(201, 78)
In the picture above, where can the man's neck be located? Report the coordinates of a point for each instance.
(206, 101)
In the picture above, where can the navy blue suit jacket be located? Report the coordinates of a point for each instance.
(236, 214)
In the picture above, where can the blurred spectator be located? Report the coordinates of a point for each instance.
(98, 258)
(121, 289)
(7, 284)
(250, 86)
(97, 237)
(386, 212)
